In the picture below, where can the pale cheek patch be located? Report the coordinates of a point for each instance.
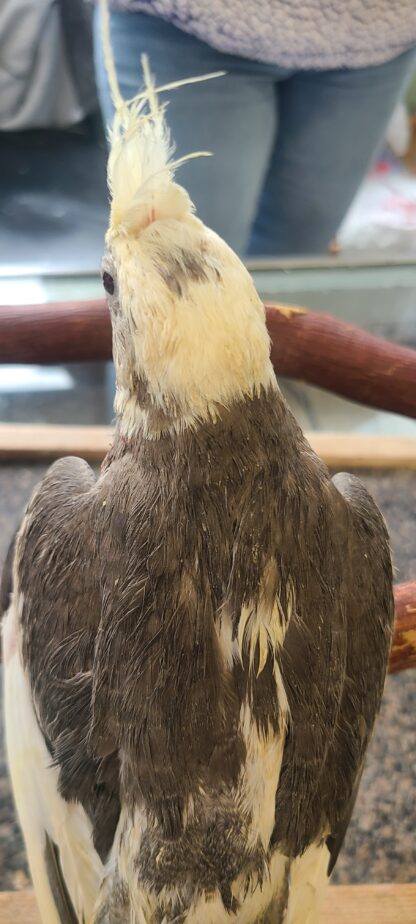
(9, 635)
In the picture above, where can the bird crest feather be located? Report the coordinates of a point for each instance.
(141, 167)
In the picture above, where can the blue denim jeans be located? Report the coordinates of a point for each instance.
(290, 147)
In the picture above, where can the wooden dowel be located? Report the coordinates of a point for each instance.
(353, 904)
(314, 348)
(339, 450)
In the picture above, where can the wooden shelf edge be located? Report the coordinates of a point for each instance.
(356, 904)
(35, 442)
(359, 450)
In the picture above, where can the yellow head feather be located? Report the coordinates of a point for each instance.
(140, 168)
(189, 324)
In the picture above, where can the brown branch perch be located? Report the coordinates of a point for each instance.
(342, 358)
(56, 332)
(403, 653)
(315, 348)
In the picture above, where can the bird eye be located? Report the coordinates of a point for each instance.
(108, 283)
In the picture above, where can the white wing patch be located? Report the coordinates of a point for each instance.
(211, 910)
(39, 806)
(262, 628)
(260, 776)
(307, 886)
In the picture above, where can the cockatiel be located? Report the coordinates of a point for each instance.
(195, 643)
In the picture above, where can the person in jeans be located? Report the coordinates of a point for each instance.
(298, 118)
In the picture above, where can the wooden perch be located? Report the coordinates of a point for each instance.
(314, 348)
(342, 358)
(357, 904)
(55, 332)
(403, 653)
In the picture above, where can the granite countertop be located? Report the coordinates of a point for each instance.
(380, 845)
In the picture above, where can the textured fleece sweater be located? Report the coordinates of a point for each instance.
(302, 34)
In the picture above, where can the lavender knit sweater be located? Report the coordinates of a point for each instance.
(300, 34)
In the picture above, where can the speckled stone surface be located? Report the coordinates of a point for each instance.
(381, 843)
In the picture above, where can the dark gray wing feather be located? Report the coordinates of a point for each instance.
(59, 890)
(370, 615)
(59, 564)
(6, 581)
(333, 661)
